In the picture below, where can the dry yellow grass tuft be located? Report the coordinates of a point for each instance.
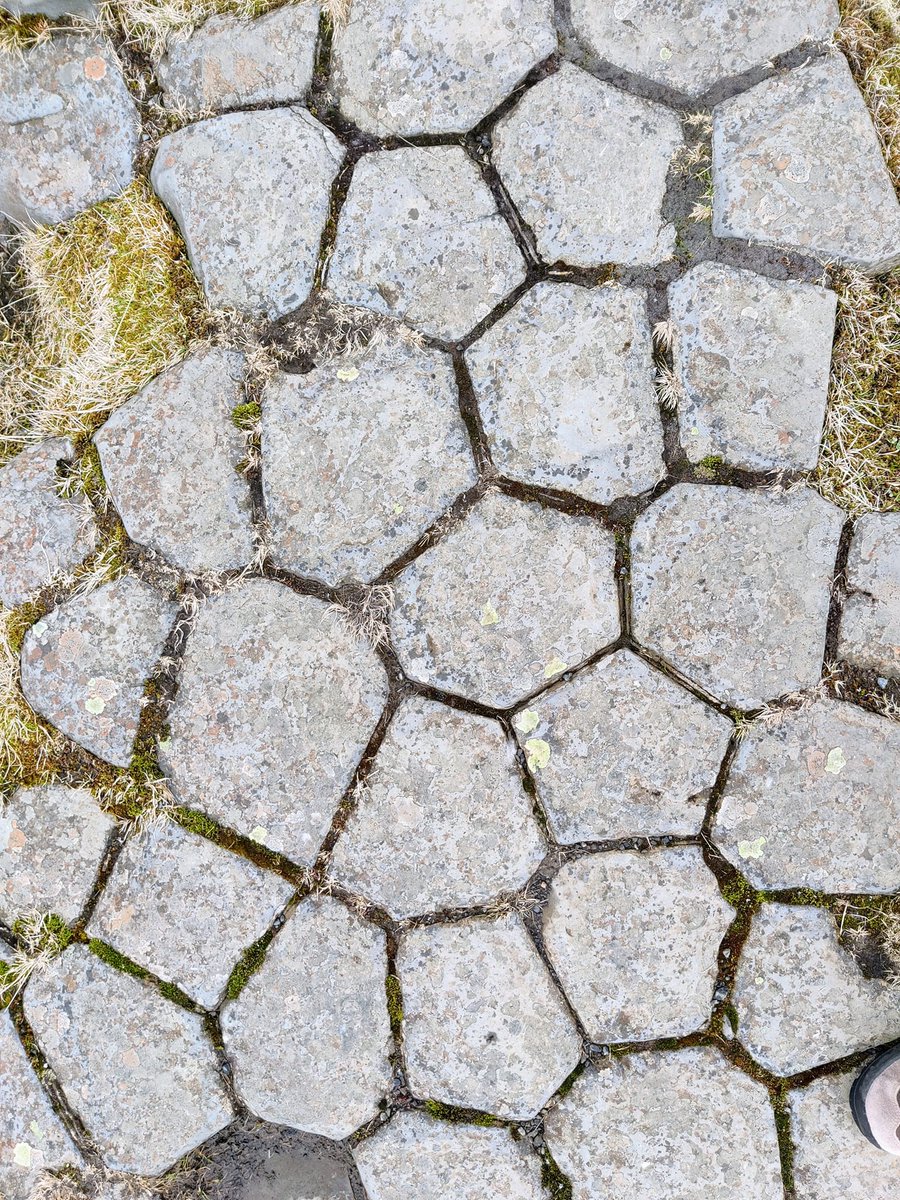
(23, 32)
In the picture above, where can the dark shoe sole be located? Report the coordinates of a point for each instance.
(860, 1090)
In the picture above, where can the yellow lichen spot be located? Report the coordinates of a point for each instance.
(347, 374)
(835, 762)
(537, 753)
(752, 849)
(398, 509)
(526, 720)
(555, 666)
(489, 614)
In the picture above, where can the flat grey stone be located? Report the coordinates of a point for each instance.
(443, 820)
(85, 664)
(690, 44)
(228, 62)
(360, 457)
(812, 801)
(752, 357)
(185, 909)
(41, 534)
(565, 387)
(416, 1155)
(506, 601)
(797, 163)
(309, 1035)
(870, 622)
(50, 8)
(32, 1138)
(684, 1124)
(733, 587)
(250, 193)
(420, 238)
(52, 840)
(170, 460)
(630, 752)
(635, 939)
(483, 1024)
(832, 1159)
(276, 704)
(567, 133)
(801, 999)
(404, 67)
(68, 130)
(137, 1068)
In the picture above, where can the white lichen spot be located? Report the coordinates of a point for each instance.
(835, 762)
(23, 1154)
(39, 628)
(537, 753)
(347, 374)
(95, 705)
(165, 744)
(555, 666)
(527, 720)
(752, 849)
(489, 614)
(258, 834)
(665, 54)
(398, 509)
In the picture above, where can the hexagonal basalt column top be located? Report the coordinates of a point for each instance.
(506, 601)
(733, 587)
(420, 237)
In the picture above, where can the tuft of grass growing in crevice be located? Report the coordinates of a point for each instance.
(42, 937)
(23, 32)
(869, 36)
(29, 747)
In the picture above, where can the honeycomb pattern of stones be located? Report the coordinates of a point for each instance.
(360, 457)
(566, 134)
(565, 389)
(629, 752)
(870, 622)
(41, 534)
(732, 587)
(420, 238)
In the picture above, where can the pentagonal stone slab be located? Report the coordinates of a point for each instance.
(506, 601)
(85, 664)
(634, 940)
(752, 357)
(227, 62)
(812, 801)
(360, 457)
(309, 1035)
(690, 44)
(484, 1025)
(68, 130)
(684, 1124)
(733, 587)
(630, 752)
(568, 132)
(431, 1160)
(565, 387)
(801, 999)
(832, 1159)
(420, 238)
(276, 704)
(52, 840)
(250, 194)
(870, 622)
(32, 1138)
(170, 459)
(41, 534)
(137, 1068)
(404, 67)
(797, 163)
(443, 819)
(185, 909)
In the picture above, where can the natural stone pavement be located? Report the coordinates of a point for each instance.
(462, 741)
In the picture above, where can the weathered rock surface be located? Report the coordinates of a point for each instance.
(484, 1026)
(85, 664)
(733, 587)
(443, 820)
(68, 130)
(309, 1035)
(506, 601)
(568, 133)
(420, 238)
(630, 752)
(812, 801)
(870, 622)
(50, 8)
(564, 383)
(52, 840)
(185, 909)
(404, 67)
(797, 163)
(360, 457)
(250, 193)
(276, 704)
(752, 357)
(683, 1123)
(137, 1068)
(170, 460)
